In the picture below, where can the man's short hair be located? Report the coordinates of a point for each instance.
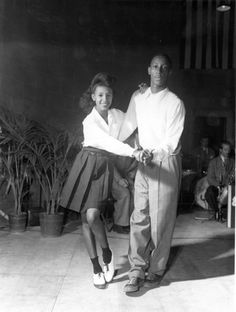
(224, 142)
(165, 56)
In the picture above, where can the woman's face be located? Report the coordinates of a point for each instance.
(102, 97)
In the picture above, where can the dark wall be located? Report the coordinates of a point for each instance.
(50, 50)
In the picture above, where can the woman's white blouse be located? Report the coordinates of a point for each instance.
(99, 134)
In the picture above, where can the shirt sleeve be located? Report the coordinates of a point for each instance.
(230, 173)
(96, 137)
(174, 129)
(129, 124)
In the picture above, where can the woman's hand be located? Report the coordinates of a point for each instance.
(137, 154)
(147, 157)
(142, 87)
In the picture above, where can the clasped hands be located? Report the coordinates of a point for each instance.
(143, 155)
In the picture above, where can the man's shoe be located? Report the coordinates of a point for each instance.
(109, 270)
(121, 229)
(205, 215)
(152, 280)
(99, 280)
(133, 285)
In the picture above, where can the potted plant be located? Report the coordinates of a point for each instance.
(14, 152)
(49, 158)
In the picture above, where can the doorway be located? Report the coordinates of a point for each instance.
(211, 126)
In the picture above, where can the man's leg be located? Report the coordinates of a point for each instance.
(140, 233)
(211, 197)
(163, 192)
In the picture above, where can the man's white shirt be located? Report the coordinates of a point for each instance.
(160, 121)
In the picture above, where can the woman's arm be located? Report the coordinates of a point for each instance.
(94, 136)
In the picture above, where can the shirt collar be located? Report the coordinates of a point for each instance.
(98, 116)
(110, 117)
(224, 159)
(95, 112)
(148, 92)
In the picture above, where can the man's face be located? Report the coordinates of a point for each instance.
(225, 150)
(159, 71)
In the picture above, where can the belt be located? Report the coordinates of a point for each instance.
(96, 150)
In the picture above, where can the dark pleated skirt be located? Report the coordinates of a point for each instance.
(89, 182)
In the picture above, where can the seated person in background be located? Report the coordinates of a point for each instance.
(202, 156)
(122, 197)
(123, 189)
(220, 174)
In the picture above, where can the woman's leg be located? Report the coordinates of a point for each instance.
(89, 239)
(96, 225)
(90, 242)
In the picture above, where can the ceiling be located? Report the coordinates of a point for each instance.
(126, 22)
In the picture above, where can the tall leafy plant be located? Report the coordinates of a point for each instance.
(49, 158)
(27, 149)
(15, 130)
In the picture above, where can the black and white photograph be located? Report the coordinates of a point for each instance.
(117, 155)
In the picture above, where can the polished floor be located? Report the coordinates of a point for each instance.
(39, 274)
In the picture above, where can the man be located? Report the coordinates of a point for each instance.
(159, 116)
(202, 155)
(220, 174)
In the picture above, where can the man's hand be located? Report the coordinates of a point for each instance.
(144, 156)
(147, 157)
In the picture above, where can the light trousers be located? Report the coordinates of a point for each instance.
(153, 219)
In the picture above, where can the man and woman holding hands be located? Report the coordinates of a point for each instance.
(159, 115)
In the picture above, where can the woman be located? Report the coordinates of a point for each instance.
(90, 179)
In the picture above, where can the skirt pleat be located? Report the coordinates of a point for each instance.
(89, 182)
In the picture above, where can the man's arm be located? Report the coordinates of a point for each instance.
(231, 174)
(175, 126)
(130, 121)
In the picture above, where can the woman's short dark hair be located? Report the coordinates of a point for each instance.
(102, 79)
